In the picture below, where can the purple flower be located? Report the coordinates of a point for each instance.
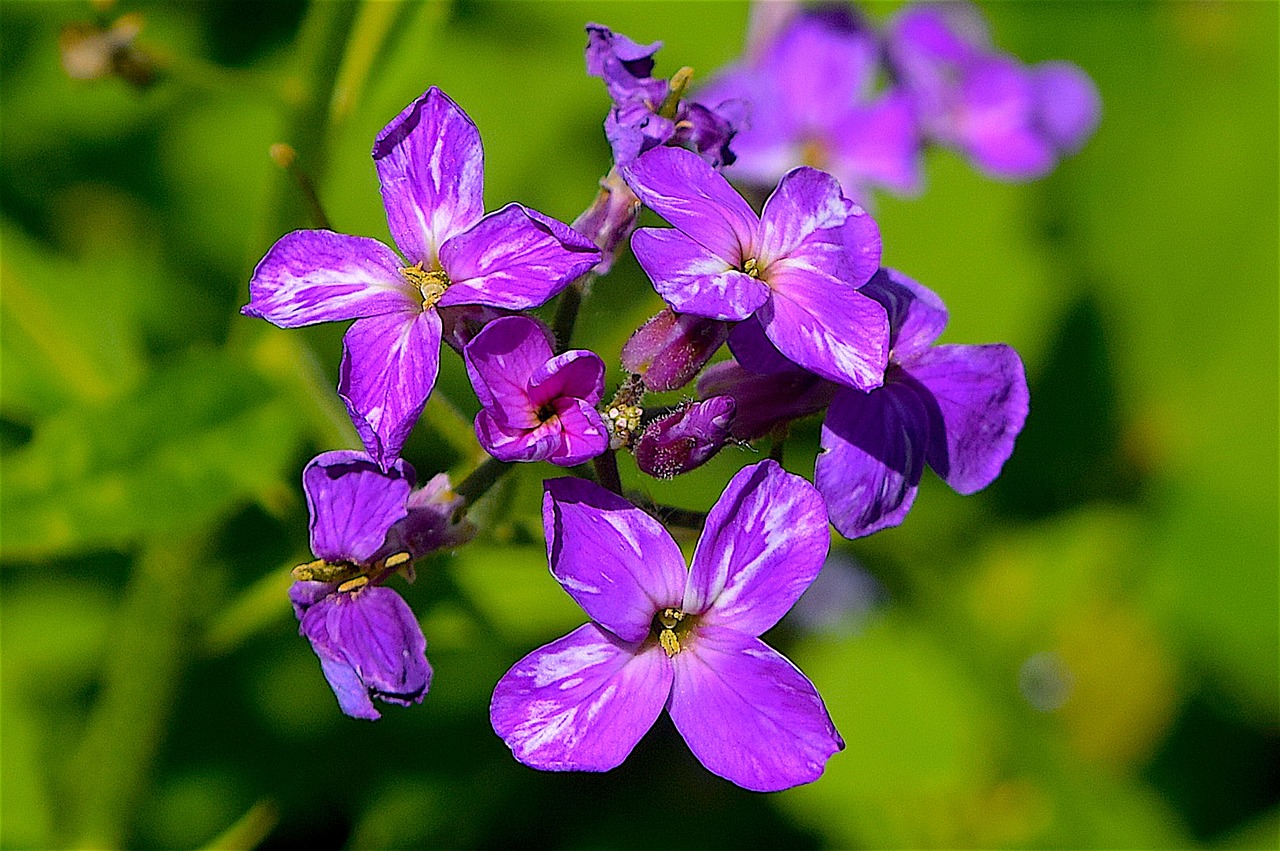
(1013, 121)
(686, 438)
(797, 266)
(610, 219)
(660, 636)
(537, 406)
(764, 401)
(430, 164)
(648, 112)
(669, 349)
(368, 641)
(811, 84)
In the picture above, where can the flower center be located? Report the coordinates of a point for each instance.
(672, 626)
(751, 266)
(431, 283)
(813, 153)
(348, 575)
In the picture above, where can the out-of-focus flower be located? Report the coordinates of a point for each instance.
(93, 52)
(1014, 121)
(537, 406)
(368, 641)
(668, 350)
(797, 267)
(686, 438)
(648, 112)
(431, 167)
(811, 83)
(687, 640)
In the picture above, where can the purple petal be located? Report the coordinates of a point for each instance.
(916, 315)
(826, 326)
(686, 191)
(753, 350)
(873, 452)
(625, 66)
(500, 360)
(808, 221)
(764, 401)
(435, 522)
(693, 280)
(515, 258)
(583, 434)
(617, 562)
(577, 374)
(431, 167)
(313, 276)
(879, 145)
(1067, 104)
(765, 540)
(369, 644)
(824, 64)
(997, 121)
(982, 401)
(389, 366)
(748, 714)
(580, 703)
(353, 503)
(515, 443)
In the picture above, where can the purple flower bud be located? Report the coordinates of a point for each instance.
(766, 401)
(610, 219)
(669, 349)
(368, 642)
(685, 439)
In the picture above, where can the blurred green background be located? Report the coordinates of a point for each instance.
(1082, 656)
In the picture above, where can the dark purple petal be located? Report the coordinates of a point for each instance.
(765, 540)
(1068, 107)
(583, 434)
(431, 167)
(916, 315)
(580, 703)
(669, 349)
(369, 645)
(753, 350)
(388, 370)
(686, 191)
(981, 398)
(765, 401)
(808, 221)
(686, 438)
(313, 276)
(353, 503)
(747, 712)
(434, 522)
(625, 66)
(710, 130)
(515, 258)
(826, 326)
(873, 452)
(617, 562)
(692, 279)
(500, 362)
(578, 374)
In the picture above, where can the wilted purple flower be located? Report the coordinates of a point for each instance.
(660, 636)
(648, 112)
(686, 438)
(811, 84)
(537, 406)
(431, 167)
(668, 350)
(1012, 120)
(610, 219)
(797, 266)
(367, 639)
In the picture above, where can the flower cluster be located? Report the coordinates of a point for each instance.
(798, 291)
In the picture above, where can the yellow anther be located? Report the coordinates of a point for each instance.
(396, 560)
(751, 267)
(321, 571)
(670, 644)
(353, 584)
(431, 283)
(670, 617)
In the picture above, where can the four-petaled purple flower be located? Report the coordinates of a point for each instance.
(537, 406)
(648, 112)
(430, 164)
(796, 267)
(661, 636)
(1012, 120)
(365, 526)
(958, 408)
(811, 86)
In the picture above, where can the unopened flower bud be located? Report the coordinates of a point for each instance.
(669, 349)
(686, 438)
(610, 219)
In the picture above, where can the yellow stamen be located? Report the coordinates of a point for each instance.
(751, 267)
(396, 560)
(431, 283)
(353, 584)
(669, 642)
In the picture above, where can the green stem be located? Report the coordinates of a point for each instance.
(567, 314)
(481, 479)
(606, 466)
